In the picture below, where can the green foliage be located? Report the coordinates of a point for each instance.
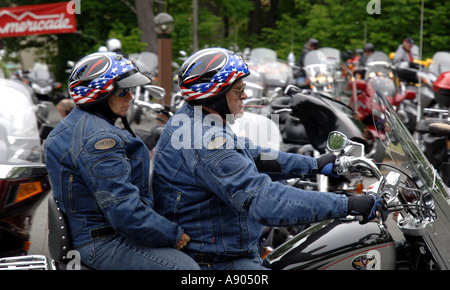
(128, 36)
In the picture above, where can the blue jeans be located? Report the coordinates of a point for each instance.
(119, 253)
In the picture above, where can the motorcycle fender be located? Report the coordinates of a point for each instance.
(337, 244)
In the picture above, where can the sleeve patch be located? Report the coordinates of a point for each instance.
(104, 144)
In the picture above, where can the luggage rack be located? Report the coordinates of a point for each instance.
(30, 262)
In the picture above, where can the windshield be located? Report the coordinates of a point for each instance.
(19, 137)
(262, 55)
(441, 62)
(378, 56)
(316, 64)
(315, 57)
(40, 71)
(333, 55)
(381, 77)
(402, 148)
(147, 62)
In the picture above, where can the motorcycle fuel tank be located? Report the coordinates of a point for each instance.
(337, 245)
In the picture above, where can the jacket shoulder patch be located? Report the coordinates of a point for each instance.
(217, 143)
(105, 144)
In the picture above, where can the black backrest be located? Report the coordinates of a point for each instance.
(59, 241)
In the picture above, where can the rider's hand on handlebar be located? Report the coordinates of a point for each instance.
(325, 165)
(367, 206)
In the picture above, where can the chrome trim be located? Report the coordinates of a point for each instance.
(30, 262)
(11, 171)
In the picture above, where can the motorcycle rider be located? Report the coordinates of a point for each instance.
(310, 45)
(360, 69)
(369, 49)
(405, 52)
(217, 186)
(100, 174)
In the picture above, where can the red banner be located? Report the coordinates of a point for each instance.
(37, 19)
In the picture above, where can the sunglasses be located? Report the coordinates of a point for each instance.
(240, 92)
(122, 92)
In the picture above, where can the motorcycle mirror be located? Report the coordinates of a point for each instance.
(336, 141)
(155, 91)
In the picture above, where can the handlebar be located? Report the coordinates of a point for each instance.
(344, 164)
(154, 107)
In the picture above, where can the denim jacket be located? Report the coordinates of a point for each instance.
(210, 182)
(100, 177)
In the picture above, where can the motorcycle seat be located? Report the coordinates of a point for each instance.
(440, 128)
(59, 239)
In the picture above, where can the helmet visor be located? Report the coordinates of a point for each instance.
(132, 78)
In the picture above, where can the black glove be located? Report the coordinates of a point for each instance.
(367, 206)
(325, 165)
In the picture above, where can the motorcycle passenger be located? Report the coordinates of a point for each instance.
(369, 49)
(219, 187)
(405, 52)
(100, 174)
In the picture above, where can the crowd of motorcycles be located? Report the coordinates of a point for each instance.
(388, 124)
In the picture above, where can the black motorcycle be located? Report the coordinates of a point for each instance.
(306, 118)
(418, 203)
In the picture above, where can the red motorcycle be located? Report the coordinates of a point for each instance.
(23, 176)
(378, 75)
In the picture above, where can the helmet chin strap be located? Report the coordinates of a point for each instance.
(218, 104)
(127, 125)
(124, 119)
(104, 109)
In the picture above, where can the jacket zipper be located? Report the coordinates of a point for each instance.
(71, 192)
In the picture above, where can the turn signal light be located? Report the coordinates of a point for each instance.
(28, 189)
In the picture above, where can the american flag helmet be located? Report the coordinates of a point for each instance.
(98, 75)
(210, 72)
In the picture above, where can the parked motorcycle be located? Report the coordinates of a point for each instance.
(334, 60)
(306, 118)
(378, 75)
(417, 199)
(434, 129)
(45, 88)
(420, 79)
(23, 176)
(320, 72)
(147, 62)
(268, 71)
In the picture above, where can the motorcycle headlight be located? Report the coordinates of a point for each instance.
(321, 79)
(41, 90)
